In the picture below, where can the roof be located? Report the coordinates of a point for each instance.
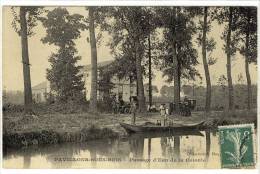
(99, 65)
(85, 68)
(42, 85)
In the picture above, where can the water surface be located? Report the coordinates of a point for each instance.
(178, 150)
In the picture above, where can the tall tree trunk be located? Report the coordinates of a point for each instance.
(205, 63)
(179, 73)
(139, 74)
(228, 51)
(150, 72)
(178, 50)
(175, 66)
(248, 78)
(26, 63)
(93, 93)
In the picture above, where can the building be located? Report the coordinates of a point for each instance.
(122, 87)
(39, 92)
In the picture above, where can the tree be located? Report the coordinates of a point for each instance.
(150, 71)
(177, 53)
(247, 31)
(154, 88)
(228, 15)
(129, 30)
(167, 91)
(28, 17)
(93, 92)
(207, 45)
(62, 29)
(151, 32)
(188, 90)
(104, 82)
(228, 52)
(222, 81)
(163, 91)
(96, 17)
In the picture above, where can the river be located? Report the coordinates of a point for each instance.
(184, 150)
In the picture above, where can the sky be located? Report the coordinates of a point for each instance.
(39, 54)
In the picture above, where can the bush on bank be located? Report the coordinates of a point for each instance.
(18, 140)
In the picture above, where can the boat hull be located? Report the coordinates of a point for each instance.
(142, 128)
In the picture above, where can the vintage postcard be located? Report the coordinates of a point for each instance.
(129, 87)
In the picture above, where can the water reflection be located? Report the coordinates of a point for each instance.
(26, 161)
(207, 147)
(149, 152)
(136, 151)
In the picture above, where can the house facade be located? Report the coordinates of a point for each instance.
(121, 87)
(39, 92)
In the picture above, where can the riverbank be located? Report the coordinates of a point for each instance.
(20, 130)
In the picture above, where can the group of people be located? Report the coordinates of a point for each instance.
(185, 108)
(118, 106)
(164, 111)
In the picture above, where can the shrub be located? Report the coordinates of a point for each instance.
(9, 107)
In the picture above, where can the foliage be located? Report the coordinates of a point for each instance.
(154, 88)
(186, 53)
(64, 75)
(104, 87)
(11, 107)
(219, 93)
(130, 29)
(210, 42)
(167, 91)
(247, 24)
(33, 14)
(13, 97)
(221, 14)
(44, 137)
(104, 81)
(100, 15)
(127, 25)
(62, 28)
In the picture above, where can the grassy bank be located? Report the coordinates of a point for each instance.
(230, 118)
(20, 130)
(23, 139)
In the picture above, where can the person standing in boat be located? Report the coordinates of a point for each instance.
(163, 113)
(162, 110)
(114, 104)
(133, 110)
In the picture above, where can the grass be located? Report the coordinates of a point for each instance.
(23, 139)
(227, 118)
(21, 130)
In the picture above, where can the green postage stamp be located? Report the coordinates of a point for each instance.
(236, 145)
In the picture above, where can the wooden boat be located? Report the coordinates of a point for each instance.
(158, 128)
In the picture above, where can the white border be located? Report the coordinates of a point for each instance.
(132, 2)
(128, 3)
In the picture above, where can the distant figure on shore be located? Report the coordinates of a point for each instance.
(148, 108)
(185, 100)
(114, 104)
(133, 110)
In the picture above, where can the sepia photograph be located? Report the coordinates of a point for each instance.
(129, 87)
